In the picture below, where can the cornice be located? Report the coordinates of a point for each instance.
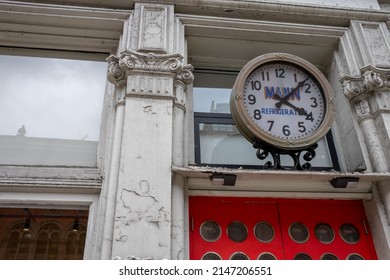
(259, 9)
(370, 79)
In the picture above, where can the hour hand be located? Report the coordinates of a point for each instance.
(300, 111)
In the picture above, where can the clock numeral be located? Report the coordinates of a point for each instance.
(271, 124)
(256, 85)
(309, 117)
(265, 75)
(279, 72)
(315, 104)
(308, 87)
(256, 114)
(295, 77)
(286, 130)
(301, 127)
(252, 99)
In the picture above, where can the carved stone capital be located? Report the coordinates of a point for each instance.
(130, 61)
(371, 78)
(148, 74)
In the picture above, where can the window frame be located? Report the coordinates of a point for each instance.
(224, 118)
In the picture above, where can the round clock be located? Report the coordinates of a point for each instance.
(282, 100)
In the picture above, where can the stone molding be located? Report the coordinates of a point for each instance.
(130, 62)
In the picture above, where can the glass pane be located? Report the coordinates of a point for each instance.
(302, 257)
(355, 257)
(50, 110)
(324, 233)
(54, 246)
(264, 232)
(349, 233)
(267, 256)
(329, 257)
(224, 144)
(210, 231)
(237, 231)
(298, 232)
(211, 256)
(239, 256)
(212, 100)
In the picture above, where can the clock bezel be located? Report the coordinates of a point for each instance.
(251, 131)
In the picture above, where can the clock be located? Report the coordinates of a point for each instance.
(282, 100)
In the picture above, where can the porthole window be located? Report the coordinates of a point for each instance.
(264, 232)
(266, 256)
(355, 257)
(328, 256)
(211, 256)
(349, 233)
(302, 256)
(324, 233)
(239, 256)
(210, 231)
(237, 231)
(298, 232)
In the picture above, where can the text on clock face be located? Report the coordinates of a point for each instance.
(283, 101)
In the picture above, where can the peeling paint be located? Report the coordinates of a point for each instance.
(144, 186)
(129, 196)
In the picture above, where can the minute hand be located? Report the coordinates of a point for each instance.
(300, 111)
(285, 98)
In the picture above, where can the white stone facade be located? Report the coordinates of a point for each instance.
(137, 195)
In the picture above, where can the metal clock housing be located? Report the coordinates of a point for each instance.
(283, 100)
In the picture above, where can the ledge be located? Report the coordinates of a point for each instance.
(280, 183)
(53, 179)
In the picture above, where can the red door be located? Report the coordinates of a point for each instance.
(253, 228)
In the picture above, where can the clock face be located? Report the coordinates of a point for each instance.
(282, 103)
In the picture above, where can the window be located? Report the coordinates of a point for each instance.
(218, 142)
(42, 234)
(50, 110)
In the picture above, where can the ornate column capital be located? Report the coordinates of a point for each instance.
(371, 78)
(132, 62)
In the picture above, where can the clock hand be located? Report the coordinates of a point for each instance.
(285, 98)
(300, 111)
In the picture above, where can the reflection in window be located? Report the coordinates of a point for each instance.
(51, 235)
(211, 256)
(349, 233)
(237, 231)
(50, 110)
(239, 256)
(298, 232)
(210, 231)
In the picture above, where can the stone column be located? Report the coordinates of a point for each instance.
(155, 80)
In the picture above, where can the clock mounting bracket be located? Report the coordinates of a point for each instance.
(301, 157)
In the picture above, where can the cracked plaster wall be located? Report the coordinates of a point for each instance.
(142, 218)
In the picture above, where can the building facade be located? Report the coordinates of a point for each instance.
(167, 174)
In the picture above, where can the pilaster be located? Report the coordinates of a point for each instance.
(369, 94)
(154, 75)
